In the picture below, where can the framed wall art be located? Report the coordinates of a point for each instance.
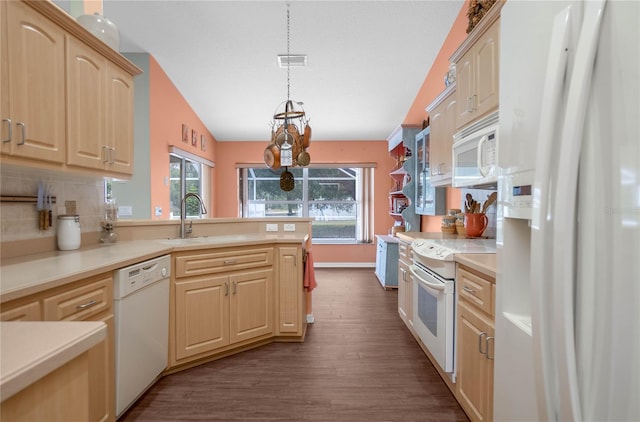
(185, 133)
(194, 138)
(203, 145)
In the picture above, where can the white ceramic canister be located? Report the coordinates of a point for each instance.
(68, 232)
(102, 28)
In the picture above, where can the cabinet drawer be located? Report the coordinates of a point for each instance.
(211, 262)
(21, 312)
(404, 252)
(82, 302)
(476, 290)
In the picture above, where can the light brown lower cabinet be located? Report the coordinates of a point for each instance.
(226, 299)
(60, 396)
(289, 293)
(86, 300)
(475, 344)
(215, 311)
(405, 284)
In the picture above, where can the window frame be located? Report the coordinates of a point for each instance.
(363, 201)
(204, 168)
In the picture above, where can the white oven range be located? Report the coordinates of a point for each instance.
(433, 271)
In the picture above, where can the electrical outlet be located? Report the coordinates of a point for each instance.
(125, 211)
(158, 211)
(289, 227)
(272, 227)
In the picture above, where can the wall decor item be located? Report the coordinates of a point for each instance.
(194, 138)
(202, 143)
(185, 133)
(477, 9)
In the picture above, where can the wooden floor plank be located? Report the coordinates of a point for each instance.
(358, 363)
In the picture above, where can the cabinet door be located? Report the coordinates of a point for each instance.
(486, 61)
(202, 315)
(36, 84)
(289, 291)
(443, 127)
(119, 120)
(251, 305)
(102, 405)
(464, 89)
(86, 99)
(381, 261)
(403, 287)
(474, 369)
(5, 115)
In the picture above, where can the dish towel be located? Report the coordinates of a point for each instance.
(309, 281)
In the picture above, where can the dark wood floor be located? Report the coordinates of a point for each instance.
(358, 363)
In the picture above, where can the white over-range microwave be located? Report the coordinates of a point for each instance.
(475, 154)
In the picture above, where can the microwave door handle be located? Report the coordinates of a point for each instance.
(480, 144)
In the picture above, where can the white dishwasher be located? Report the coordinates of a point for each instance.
(141, 302)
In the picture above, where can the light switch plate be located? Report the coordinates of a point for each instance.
(272, 227)
(289, 227)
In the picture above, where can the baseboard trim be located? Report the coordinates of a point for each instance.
(344, 264)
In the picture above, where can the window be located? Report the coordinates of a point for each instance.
(337, 198)
(187, 173)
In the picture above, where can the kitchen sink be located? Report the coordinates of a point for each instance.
(212, 240)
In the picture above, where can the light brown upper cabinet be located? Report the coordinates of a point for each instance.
(442, 120)
(32, 101)
(100, 111)
(66, 98)
(477, 77)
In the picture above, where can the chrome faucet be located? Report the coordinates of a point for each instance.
(183, 212)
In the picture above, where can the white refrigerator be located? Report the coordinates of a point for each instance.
(567, 342)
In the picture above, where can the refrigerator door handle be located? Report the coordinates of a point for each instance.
(564, 274)
(542, 220)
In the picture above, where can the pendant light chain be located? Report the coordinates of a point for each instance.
(288, 53)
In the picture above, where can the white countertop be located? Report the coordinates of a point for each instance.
(482, 262)
(23, 276)
(32, 350)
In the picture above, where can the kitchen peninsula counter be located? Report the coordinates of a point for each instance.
(30, 274)
(44, 347)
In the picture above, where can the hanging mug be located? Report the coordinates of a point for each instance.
(475, 224)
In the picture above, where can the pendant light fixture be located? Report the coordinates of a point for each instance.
(290, 130)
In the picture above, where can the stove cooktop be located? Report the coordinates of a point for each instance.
(445, 249)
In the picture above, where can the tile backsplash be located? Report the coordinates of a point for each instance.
(20, 221)
(481, 195)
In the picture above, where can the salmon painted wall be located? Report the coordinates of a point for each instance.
(432, 87)
(168, 111)
(333, 152)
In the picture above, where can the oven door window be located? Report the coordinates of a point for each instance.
(428, 310)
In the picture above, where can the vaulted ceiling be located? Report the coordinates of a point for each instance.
(366, 59)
